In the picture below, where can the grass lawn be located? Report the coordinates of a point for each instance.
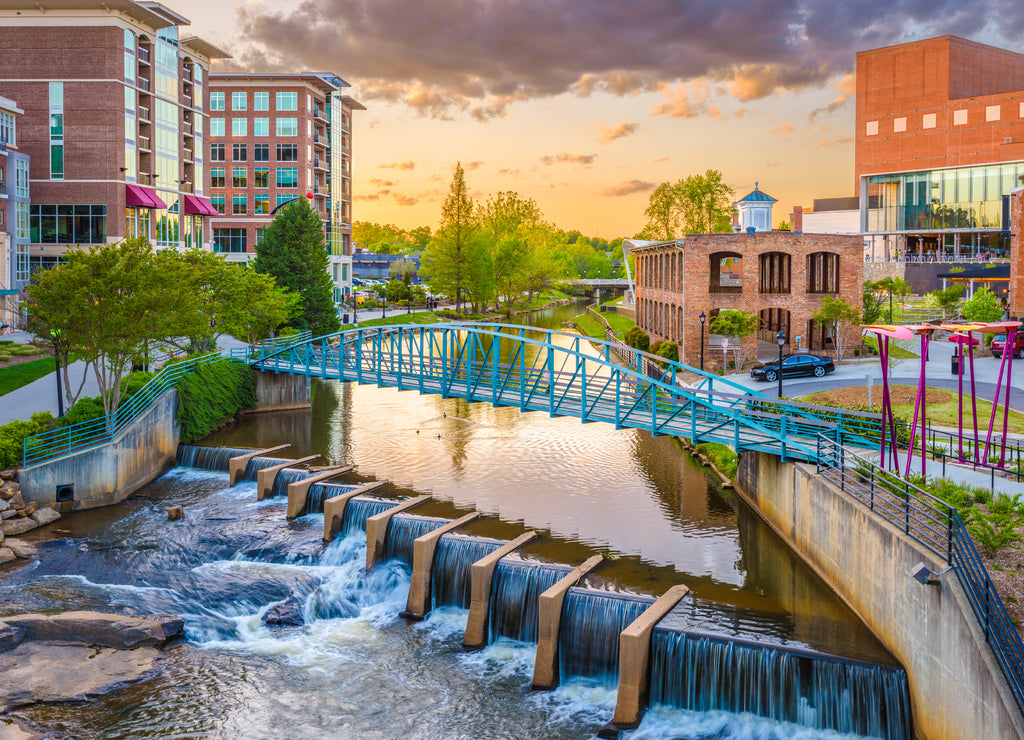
(895, 351)
(16, 376)
(619, 324)
(421, 317)
(590, 326)
(942, 405)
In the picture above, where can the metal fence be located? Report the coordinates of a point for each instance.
(937, 526)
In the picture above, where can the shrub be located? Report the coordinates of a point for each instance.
(637, 338)
(213, 394)
(993, 530)
(722, 457)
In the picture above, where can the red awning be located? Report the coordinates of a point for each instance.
(199, 206)
(141, 197)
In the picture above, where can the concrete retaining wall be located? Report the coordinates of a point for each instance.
(109, 474)
(957, 689)
(281, 391)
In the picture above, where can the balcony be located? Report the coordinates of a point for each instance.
(186, 154)
(317, 164)
(144, 144)
(143, 83)
(143, 55)
(186, 100)
(143, 114)
(319, 113)
(186, 128)
(3, 188)
(186, 74)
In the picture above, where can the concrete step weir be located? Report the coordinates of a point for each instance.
(298, 492)
(238, 464)
(265, 478)
(334, 508)
(418, 604)
(377, 528)
(481, 574)
(549, 620)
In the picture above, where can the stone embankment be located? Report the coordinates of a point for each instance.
(18, 517)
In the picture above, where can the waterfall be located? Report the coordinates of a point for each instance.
(402, 530)
(588, 637)
(286, 477)
(320, 492)
(449, 578)
(514, 591)
(359, 509)
(257, 464)
(702, 673)
(207, 458)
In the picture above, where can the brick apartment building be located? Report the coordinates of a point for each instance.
(939, 147)
(781, 276)
(115, 122)
(14, 213)
(275, 138)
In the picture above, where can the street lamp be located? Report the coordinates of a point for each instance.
(702, 318)
(781, 339)
(56, 359)
(383, 306)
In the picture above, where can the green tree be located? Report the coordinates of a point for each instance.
(892, 286)
(705, 203)
(403, 270)
(662, 214)
(419, 238)
(451, 260)
(873, 299)
(948, 298)
(258, 306)
(842, 318)
(293, 252)
(983, 306)
(731, 322)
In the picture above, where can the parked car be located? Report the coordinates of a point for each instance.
(794, 365)
(999, 342)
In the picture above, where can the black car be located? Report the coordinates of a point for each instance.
(794, 365)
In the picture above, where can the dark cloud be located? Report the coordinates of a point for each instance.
(405, 200)
(628, 188)
(480, 56)
(563, 157)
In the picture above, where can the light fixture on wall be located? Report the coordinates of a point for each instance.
(926, 576)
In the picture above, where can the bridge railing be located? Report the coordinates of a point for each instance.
(937, 526)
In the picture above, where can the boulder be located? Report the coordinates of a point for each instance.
(174, 513)
(100, 629)
(35, 672)
(8, 490)
(30, 507)
(19, 525)
(17, 501)
(45, 515)
(288, 613)
(4, 505)
(6, 555)
(9, 474)
(20, 548)
(10, 637)
(8, 513)
(17, 728)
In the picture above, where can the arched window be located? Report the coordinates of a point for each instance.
(823, 272)
(726, 273)
(774, 273)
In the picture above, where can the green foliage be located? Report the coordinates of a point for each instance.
(722, 457)
(843, 318)
(785, 226)
(734, 323)
(388, 238)
(293, 252)
(993, 530)
(12, 437)
(637, 338)
(698, 204)
(211, 395)
(949, 298)
(668, 350)
(983, 306)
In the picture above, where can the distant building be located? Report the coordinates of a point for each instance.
(275, 138)
(755, 210)
(828, 216)
(781, 276)
(114, 122)
(939, 147)
(14, 214)
(378, 266)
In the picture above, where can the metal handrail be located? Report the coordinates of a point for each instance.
(937, 526)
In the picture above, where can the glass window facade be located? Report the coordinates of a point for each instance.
(57, 131)
(216, 101)
(287, 126)
(261, 204)
(287, 101)
(261, 101)
(239, 153)
(287, 153)
(7, 128)
(68, 224)
(229, 240)
(284, 198)
(216, 152)
(261, 127)
(961, 198)
(238, 101)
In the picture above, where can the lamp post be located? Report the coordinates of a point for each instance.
(383, 306)
(781, 339)
(56, 360)
(702, 318)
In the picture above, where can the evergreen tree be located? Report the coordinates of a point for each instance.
(449, 262)
(293, 252)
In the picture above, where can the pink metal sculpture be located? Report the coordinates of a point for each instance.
(884, 332)
(921, 404)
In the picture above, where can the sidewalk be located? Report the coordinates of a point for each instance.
(41, 395)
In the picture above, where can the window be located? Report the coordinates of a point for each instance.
(928, 120)
(238, 177)
(217, 176)
(261, 177)
(287, 153)
(22, 229)
(261, 101)
(871, 128)
(261, 152)
(992, 113)
(216, 152)
(261, 204)
(238, 153)
(239, 126)
(217, 201)
(261, 232)
(7, 128)
(216, 101)
(287, 101)
(283, 198)
(899, 125)
(287, 177)
(726, 273)
(261, 127)
(960, 117)
(216, 127)
(823, 272)
(774, 272)
(229, 240)
(57, 133)
(287, 126)
(238, 101)
(137, 222)
(69, 224)
(239, 206)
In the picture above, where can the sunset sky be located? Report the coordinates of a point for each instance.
(586, 105)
